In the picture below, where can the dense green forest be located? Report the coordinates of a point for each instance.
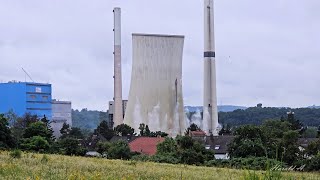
(256, 115)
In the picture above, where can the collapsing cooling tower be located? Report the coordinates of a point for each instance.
(155, 96)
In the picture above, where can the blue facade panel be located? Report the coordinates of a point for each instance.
(39, 88)
(34, 98)
(41, 98)
(41, 113)
(13, 97)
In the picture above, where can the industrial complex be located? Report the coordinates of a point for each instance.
(155, 97)
(24, 97)
(61, 113)
(36, 99)
(111, 111)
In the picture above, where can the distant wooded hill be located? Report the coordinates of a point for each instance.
(255, 115)
(222, 108)
(314, 106)
(86, 119)
(233, 115)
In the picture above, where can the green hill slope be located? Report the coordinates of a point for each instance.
(38, 166)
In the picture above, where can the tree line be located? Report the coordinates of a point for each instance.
(257, 115)
(276, 140)
(87, 119)
(272, 143)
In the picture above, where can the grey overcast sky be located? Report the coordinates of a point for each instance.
(268, 51)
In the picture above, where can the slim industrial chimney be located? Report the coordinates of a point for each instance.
(118, 113)
(210, 111)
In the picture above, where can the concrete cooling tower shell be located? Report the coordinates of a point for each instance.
(155, 96)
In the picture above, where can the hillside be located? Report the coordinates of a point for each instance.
(233, 115)
(314, 106)
(254, 115)
(86, 119)
(222, 108)
(38, 166)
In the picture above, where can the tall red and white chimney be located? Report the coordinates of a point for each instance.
(210, 110)
(118, 113)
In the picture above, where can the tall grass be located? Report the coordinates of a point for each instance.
(16, 153)
(268, 175)
(38, 166)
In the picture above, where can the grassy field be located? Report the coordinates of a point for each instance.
(39, 166)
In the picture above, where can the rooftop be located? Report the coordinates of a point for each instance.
(145, 145)
(127, 139)
(219, 143)
(28, 83)
(157, 35)
(54, 101)
(304, 142)
(197, 133)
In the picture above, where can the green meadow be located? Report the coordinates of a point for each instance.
(40, 166)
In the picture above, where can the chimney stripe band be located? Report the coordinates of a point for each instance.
(209, 54)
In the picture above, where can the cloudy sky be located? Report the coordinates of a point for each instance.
(268, 51)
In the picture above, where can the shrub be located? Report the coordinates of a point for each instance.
(6, 138)
(190, 156)
(38, 129)
(218, 163)
(16, 153)
(119, 150)
(71, 146)
(254, 163)
(167, 146)
(44, 158)
(55, 148)
(269, 174)
(35, 143)
(168, 158)
(314, 163)
(209, 155)
(141, 157)
(103, 147)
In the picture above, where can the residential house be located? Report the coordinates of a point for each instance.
(145, 145)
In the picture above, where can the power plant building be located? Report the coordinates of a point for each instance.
(61, 113)
(155, 96)
(111, 111)
(26, 97)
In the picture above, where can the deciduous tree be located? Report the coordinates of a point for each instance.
(35, 143)
(124, 130)
(249, 141)
(6, 139)
(119, 150)
(38, 129)
(104, 130)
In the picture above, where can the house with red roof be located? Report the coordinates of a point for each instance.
(198, 135)
(145, 145)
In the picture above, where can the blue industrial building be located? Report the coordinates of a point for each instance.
(26, 97)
